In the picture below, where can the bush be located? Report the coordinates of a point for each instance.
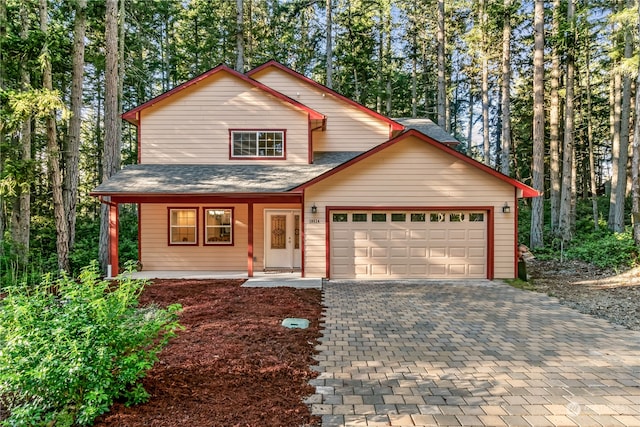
(69, 348)
(604, 249)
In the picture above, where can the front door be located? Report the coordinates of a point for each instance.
(282, 239)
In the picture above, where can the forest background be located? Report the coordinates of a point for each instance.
(543, 91)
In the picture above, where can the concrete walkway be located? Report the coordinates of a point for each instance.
(469, 353)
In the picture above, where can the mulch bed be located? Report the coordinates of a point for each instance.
(234, 364)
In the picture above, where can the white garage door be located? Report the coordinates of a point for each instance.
(434, 244)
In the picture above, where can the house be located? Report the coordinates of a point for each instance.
(270, 170)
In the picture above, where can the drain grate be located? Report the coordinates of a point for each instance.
(292, 322)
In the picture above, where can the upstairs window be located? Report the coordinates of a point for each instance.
(260, 144)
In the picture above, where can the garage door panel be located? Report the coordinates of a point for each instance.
(437, 245)
(458, 252)
(418, 252)
(437, 252)
(378, 235)
(457, 235)
(418, 234)
(399, 235)
(399, 252)
(458, 270)
(476, 252)
(361, 252)
(477, 235)
(437, 234)
(379, 252)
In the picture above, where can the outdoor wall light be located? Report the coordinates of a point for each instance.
(506, 208)
(314, 209)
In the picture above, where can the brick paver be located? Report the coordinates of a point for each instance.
(480, 353)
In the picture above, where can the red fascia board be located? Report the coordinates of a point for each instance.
(395, 126)
(132, 116)
(526, 190)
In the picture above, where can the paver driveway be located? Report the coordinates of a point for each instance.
(469, 353)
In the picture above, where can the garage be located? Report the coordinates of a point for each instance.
(382, 244)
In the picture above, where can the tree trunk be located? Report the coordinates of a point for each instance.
(470, 128)
(72, 156)
(506, 89)
(592, 164)
(621, 155)
(21, 206)
(486, 143)
(566, 194)
(635, 162)
(554, 123)
(53, 156)
(537, 216)
(239, 36)
(442, 91)
(111, 151)
(3, 35)
(329, 44)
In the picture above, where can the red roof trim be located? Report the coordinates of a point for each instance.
(395, 126)
(526, 190)
(132, 116)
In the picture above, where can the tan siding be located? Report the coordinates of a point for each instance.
(348, 128)
(158, 255)
(192, 126)
(412, 174)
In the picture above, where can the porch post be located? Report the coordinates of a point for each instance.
(113, 238)
(250, 240)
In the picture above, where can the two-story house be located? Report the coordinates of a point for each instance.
(270, 170)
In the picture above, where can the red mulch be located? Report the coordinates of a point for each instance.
(234, 364)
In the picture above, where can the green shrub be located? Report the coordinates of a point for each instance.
(69, 348)
(604, 249)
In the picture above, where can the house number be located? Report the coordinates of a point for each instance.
(314, 221)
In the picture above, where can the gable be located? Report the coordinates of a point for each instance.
(193, 124)
(350, 126)
(414, 162)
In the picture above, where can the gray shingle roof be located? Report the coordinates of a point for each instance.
(227, 178)
(429, 128)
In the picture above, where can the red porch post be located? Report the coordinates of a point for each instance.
(250, 240)
(113, 238)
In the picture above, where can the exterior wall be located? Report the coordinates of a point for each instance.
(348, 128)
(410, 173)
(192, 126)
(158, 255)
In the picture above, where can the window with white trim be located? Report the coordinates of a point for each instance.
(218, 226)
(183, 226)
(260, 144)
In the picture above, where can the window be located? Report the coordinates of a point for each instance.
(476, 217)
(379, 217)
(417, 217)
(436, 217)
(183, 226)
(359, 217)
(398, 217)
(261, 144)
(218, 226)
(339, 217)
(456, 217)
